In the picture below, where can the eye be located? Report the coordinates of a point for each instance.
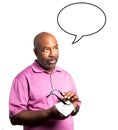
(46, 49)
(56, 47)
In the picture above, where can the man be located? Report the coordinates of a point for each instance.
(31, 102)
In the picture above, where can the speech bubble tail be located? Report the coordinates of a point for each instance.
(77, 39)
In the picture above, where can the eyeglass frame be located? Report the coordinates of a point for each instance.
(52, 93)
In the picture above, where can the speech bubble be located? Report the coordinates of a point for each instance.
(81, 19)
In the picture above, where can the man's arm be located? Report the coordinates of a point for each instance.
(32, 118)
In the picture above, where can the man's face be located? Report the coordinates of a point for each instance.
(47, 53)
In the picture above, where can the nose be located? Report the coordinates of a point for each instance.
(52, 53)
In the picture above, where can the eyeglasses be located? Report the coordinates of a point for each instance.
(53, 92)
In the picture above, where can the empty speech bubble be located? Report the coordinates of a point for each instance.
(81, 19)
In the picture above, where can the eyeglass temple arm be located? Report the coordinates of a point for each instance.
(57, 91)
(57, 97)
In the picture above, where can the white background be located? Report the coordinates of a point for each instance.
(93, 61)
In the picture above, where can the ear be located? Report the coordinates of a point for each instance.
(35, 51)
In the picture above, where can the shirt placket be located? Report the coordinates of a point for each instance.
(51, 82)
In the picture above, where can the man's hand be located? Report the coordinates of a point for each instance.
(71, 96)
(74, 99)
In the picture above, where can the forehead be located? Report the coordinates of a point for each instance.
(47, 40)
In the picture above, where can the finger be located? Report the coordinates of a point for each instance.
(70, 95)
(75, 98)
(64, 95)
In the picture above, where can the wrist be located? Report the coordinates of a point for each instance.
(76, 109)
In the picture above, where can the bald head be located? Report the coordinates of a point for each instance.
(42, 38)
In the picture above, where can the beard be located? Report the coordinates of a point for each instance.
(48, 64)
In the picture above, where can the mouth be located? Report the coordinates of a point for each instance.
(52, 61)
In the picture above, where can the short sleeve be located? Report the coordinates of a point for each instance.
(18, 97)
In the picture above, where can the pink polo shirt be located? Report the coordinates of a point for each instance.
(29, 91)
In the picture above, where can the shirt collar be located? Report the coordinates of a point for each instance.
(38, 69)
